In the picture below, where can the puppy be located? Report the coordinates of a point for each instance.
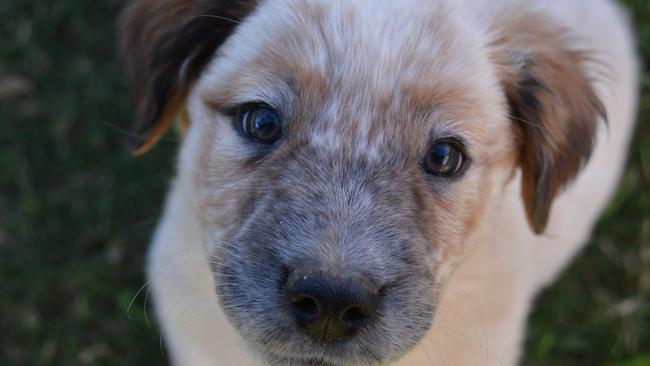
(374, 182)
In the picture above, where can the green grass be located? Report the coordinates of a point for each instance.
(76, 212)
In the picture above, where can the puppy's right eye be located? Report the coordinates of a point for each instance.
(260, 123)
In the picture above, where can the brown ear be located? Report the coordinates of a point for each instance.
(165, 44)
(553, 106)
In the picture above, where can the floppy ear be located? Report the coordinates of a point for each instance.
(553, 106)
(165, 44)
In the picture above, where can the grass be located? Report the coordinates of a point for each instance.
(76, 212)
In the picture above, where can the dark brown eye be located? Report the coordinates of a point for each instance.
(261, 123)
(444, 159)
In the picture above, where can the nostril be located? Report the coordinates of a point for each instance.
(328, 308)
(305, 305)
(356, 315)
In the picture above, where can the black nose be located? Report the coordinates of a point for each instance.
(328, 308)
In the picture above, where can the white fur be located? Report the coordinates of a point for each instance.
(481, 317)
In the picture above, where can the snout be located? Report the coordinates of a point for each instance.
(331, 265)
(330, 308)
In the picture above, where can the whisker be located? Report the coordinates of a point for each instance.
(536, 125)
(146, 298)
(128, 309)
(215, 17)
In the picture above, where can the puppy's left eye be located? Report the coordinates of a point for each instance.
(445, 158)
(260, 123)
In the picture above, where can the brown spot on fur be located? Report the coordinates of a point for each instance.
(311, 81)
(165, 45)
(553, 106)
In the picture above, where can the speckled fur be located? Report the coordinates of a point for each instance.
(363, 88)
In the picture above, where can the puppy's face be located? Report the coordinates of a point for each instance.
(342, 147)
(343, 156)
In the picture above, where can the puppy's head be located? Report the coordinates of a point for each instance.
(345, 154)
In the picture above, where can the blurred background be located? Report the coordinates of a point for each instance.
(76, 211)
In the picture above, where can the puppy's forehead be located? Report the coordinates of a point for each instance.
(372, 71)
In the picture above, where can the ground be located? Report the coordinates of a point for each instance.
(76, 211)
